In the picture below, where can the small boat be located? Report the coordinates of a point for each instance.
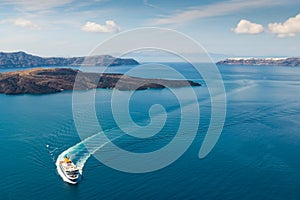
(70, 170)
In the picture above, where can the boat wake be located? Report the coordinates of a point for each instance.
(81, 152)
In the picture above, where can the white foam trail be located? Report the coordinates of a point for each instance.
(52, 151)
(87, 147)
(82, 150)
(238, 90)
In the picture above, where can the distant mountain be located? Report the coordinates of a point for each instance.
(23, 60)
(293, 62)
(167, 57)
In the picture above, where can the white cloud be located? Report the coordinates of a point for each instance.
(20, 22)
(247, 27)
(289, 28)
(217, 9)
(108, 27)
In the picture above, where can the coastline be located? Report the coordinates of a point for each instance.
(53, 80)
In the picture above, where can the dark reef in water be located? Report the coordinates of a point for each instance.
(24, 60)
(44, 81)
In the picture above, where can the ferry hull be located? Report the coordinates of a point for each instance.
(71, 180)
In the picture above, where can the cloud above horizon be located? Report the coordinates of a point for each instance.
(289, 28)
(21, 22)
(109, 27)
(212, 10)
(247, 27)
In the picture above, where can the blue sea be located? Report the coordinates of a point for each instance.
(256, 156)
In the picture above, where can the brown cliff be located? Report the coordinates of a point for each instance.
(44, 81)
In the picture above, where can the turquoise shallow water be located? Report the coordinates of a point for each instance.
(256, 157)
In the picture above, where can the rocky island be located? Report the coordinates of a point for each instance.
(293, 62)
(24, 60)
(44, 81)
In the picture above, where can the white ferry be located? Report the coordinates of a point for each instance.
(70, 170)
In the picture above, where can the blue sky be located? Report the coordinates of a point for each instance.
(73, 28)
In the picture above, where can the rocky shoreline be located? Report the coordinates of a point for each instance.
(53, 80)
(293, 62)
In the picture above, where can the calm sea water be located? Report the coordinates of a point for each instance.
(256, 157)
